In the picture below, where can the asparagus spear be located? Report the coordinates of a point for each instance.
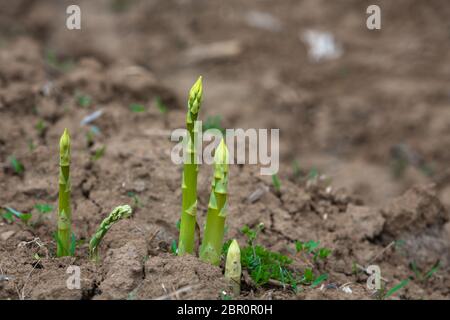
(64, 234)
(118, 213)
(233, 267)
(190, 170)
(211, 248)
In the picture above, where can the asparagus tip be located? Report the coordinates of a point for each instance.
(64, 148)
(221, 155)
(195, 96)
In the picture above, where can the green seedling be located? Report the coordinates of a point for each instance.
(83, 100)
(16, 165)
(160, 105)
(64, 233)
(31, 145)
(296, 169)
(120, 212)
(276, 183)
(7, 216)
(91, 134)
(312, 248)
(98, 153)
(214, 122)
(174, 247)
(233, 269)
(211, 247)
(423, 276)
(190, 170)
(137, 108)
(136, 200)
(319, 280)
(264, 265)
(63, 65)
(313, 174)
(396, 288)
(224, 296)
(10, 213)
(43, 208)
(41, 126)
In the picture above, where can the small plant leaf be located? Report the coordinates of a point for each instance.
(396, 288)
(160, 105)
(24, 217)
(319, 280)
(16, 165)
(99, 153)
(83, 100)
(174, 247)
(137, 108)
(276, 183)
(433, 270)
(44, 208)
(8, 216)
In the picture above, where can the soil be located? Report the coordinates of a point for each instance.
(373, 123)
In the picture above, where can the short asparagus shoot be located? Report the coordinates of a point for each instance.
(189, 181)
(211, 248)
(64, 233)
(120, 212)
(233, 267)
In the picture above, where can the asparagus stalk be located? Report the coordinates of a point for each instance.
(190, 170)
(64, 233)
(211, 248)
(233, 267)
(117, 214)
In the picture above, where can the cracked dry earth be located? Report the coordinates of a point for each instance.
(136, 262)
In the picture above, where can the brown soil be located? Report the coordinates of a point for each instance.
(384, 101)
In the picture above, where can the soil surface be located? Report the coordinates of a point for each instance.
(367, 131)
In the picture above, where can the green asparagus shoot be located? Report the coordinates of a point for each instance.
(64, 233)
(211, 248)
(190, 170)
(233, 267)
(120, 212)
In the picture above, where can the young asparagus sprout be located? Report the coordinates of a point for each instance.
(120, 212)
(233, 267)
(64, 233)
(190, 170)
(211, 247)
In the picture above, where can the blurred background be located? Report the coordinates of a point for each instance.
(368, 109)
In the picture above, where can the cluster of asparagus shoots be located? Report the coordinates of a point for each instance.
(65, 238)
(211, 247)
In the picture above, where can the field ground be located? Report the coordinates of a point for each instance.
(369, 131)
